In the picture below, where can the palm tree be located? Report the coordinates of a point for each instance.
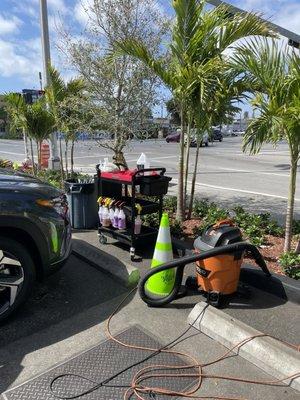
(15, 106)
(57, 93)
(39, 124)
(199, 40)
(275, 74)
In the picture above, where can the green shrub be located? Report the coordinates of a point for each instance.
(170, 204)
(5, 163)
(256, 226)
(201, 208)
(290, 264)
(176, 228)
(296, 227)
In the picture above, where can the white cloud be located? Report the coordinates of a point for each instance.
(80, 11)
(20, 60)
(9, 25)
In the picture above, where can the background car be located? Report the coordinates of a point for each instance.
(35, 235)
(217, 135)
(204, 141)
(173, 137)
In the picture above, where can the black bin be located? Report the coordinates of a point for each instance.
(82, 198)
(155, 185)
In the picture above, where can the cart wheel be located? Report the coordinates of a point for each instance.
(102, 239)
(132, 253)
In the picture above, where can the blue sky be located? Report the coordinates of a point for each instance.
(20, 45)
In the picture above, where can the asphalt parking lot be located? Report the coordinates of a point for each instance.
(226, 175)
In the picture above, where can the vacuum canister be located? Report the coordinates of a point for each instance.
(219, 274)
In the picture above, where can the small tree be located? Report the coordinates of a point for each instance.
(15, 106)
(58, 95)
(275, 75)
(123, 90)
(199, 40)
(40, 124)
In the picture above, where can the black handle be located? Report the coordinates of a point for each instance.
(163, 170)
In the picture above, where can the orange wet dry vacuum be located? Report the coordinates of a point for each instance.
(219, 254)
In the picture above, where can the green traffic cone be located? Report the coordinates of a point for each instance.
(162, 283)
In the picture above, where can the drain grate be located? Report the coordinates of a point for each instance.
(97, 364)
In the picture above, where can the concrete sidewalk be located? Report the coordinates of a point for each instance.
(68, 315)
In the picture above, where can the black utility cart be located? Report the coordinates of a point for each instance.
(145, 187)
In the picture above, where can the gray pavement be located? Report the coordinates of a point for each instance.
(27, 353)
(226, 175)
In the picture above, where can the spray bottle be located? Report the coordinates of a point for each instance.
(112, 212)
(143, 162)
(122, 218)
(116, 215)
(105, 214)
(138, 220)
(99, 201)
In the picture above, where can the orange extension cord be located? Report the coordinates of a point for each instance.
(148, 372)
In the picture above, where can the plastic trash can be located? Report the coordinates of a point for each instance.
(82, 198)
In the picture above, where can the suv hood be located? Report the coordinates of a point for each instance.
(11, 180)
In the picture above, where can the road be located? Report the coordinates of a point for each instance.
(226, 175)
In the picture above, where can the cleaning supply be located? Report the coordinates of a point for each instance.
(116, 216)
(105, 215)
(107, 166)
(122, 219)
(143, 162)
(111, 213)
(99, 201)
(138, 220)
(162, 283)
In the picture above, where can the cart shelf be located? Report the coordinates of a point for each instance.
(125, 235)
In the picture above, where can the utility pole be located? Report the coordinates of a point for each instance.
(54, 159)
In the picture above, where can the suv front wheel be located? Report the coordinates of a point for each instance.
(17, 276)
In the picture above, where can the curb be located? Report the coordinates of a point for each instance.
(267, 353)
(125, 273)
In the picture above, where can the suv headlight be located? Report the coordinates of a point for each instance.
(59, 204)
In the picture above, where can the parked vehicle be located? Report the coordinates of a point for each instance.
(35, 235)
(204, 140)
(217, 135)
(173, 137)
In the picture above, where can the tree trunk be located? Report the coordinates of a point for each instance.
(180, 211)
(119, 160)
(194, 180)
(61, 161)
(72, 156)
(26, 145)
(187, 159)
(298, 247)
(32, 157)
(38, 154)
(290, 206)
(66, 157)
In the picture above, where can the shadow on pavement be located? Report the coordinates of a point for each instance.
(59, 301)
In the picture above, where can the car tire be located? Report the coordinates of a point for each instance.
(220, 140)
(206, 144)
(27, 270)
(167, 140)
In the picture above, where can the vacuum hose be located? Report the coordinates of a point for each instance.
(180, 264)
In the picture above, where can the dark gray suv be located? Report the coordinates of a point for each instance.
(35, 235)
